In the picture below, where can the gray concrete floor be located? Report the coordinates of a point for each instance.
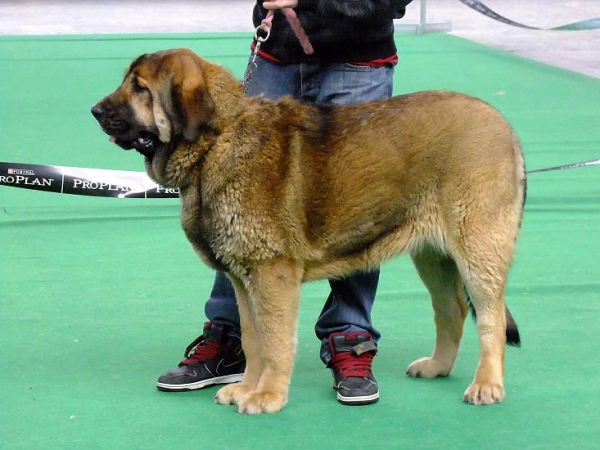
(574, 50)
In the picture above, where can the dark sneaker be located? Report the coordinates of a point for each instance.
(213, 358)
(351, 358)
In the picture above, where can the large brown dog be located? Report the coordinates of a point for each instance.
(278, 193)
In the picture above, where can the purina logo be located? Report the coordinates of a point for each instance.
(20, 172)
(82, 181)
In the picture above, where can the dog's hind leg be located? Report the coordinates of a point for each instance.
(441, 277)
(270, 317)
(484, 269)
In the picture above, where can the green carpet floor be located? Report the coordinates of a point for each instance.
(99, 296)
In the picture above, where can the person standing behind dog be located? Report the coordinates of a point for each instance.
(353, 60)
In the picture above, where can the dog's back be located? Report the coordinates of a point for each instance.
(381, 178)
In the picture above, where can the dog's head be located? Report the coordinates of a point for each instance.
(163, 99)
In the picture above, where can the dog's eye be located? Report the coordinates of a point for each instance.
(137, 87)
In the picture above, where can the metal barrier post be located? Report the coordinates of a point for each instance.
(422, 27)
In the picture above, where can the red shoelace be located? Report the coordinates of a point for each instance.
(204, 350)
(350, 365)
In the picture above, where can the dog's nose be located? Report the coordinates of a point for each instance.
(97, 112)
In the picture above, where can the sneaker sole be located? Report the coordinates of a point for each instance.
(199, 384)
(358, 401)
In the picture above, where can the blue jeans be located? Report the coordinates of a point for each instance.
(348, 307)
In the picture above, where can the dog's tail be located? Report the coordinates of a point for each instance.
(513, 338)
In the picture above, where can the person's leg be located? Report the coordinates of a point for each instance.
(348, 307)
(348, 338)
(272, 81)
(221, 307)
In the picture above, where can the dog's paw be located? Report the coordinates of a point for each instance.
(257, 402)
(231, 394)
(428, 368)
(484, 394)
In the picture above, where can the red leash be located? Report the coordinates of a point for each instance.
(292, 19)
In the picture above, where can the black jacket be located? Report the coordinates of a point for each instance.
(339, 30)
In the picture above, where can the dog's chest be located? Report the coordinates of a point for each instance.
(227, 232)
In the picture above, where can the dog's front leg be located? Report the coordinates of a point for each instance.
(268, 318)
(233, 393)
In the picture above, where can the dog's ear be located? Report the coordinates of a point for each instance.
(162, 108)
(165, 118)
(180, 99)
(190, 96)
